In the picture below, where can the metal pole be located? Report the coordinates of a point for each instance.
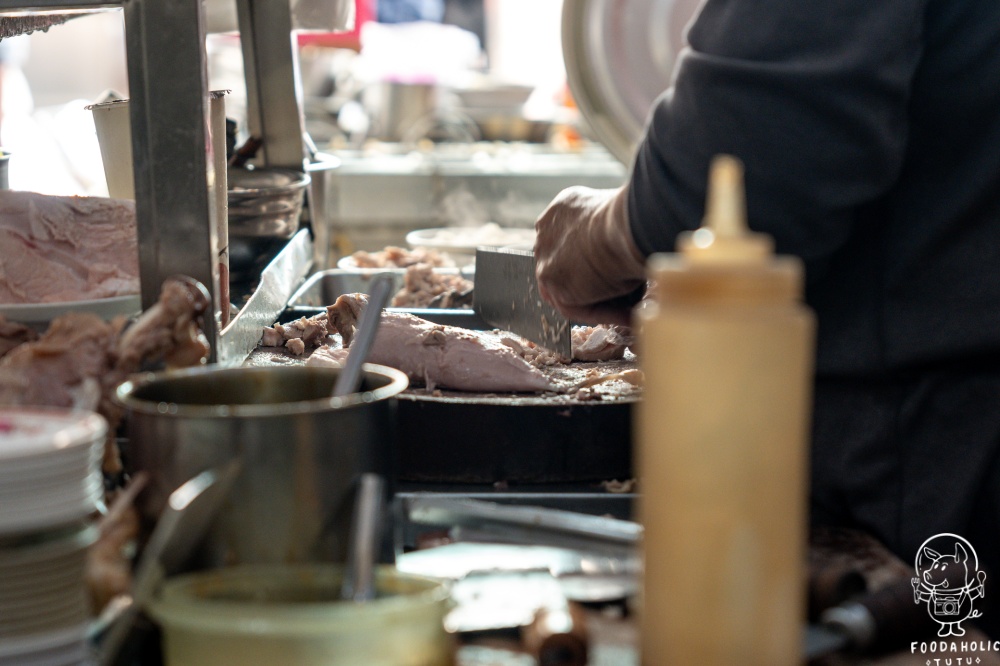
(171, 152)
(270, 61)
(274, 103)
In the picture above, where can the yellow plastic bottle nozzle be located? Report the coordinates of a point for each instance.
(724, 236)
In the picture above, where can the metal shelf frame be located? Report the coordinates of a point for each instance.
(169, 114)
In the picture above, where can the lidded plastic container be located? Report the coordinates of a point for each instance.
(722, 443)
(293, 615)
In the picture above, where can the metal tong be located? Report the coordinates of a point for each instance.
(475, 520)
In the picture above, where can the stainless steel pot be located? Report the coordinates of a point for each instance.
(398, 108)
(265, 203)
(300, 452)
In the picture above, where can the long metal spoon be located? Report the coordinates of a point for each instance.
(365, 540)
(366, 523)
(349, 379)
(182, 525)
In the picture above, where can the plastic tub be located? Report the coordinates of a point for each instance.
(293, 615)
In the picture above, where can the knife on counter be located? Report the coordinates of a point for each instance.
(506, 296)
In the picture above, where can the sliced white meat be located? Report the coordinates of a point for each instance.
(437, 355)
(57, 248)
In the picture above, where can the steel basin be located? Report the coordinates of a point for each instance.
(300, 452)
(265, 203)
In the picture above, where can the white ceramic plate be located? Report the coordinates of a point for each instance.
(43, 313)
(52, 511)
(348, 263)
(52, 432)
(20, 649)
(54, 463)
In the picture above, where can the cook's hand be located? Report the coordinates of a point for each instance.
(585, 255)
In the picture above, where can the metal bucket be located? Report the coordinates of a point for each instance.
(300, 452)
(265, 203)
(265, 210)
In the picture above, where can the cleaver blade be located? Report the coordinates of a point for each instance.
(506, 296)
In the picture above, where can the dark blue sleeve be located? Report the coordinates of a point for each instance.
(812, 96)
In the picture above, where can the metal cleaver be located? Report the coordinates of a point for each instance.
(506, 296)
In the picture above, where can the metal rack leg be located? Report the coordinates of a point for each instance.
(165, 43)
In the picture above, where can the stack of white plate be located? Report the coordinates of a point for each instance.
(50, 485)
(54, 648)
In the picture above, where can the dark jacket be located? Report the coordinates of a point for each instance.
(870, 132)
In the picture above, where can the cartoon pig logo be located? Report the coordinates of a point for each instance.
(948, 581)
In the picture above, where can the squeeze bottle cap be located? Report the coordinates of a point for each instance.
(724, 236)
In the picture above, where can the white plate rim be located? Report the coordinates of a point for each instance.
(425, 238)
(79, 430)
(25, 646)
(106, 308)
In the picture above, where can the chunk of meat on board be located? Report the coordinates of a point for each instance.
(437, 355)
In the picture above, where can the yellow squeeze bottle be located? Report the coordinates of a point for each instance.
(727, 350)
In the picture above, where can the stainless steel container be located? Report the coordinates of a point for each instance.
(300, 452)
(265, 210)
(265, 203)
(399, 110)
(293, 616)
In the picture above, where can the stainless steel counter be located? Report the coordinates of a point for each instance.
(376, 196)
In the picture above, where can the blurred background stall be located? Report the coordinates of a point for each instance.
(459, 108)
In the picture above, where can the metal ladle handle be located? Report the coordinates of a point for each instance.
(350, 375)
(365, 540)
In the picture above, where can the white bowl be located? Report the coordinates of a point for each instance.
(465, 240)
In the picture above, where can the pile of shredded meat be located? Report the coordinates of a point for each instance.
(58, 249)
(603, 342)
(423, 287)
(297, 336)
(81, 359)
(398, 257)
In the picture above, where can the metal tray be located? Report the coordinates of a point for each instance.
(323, 288)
